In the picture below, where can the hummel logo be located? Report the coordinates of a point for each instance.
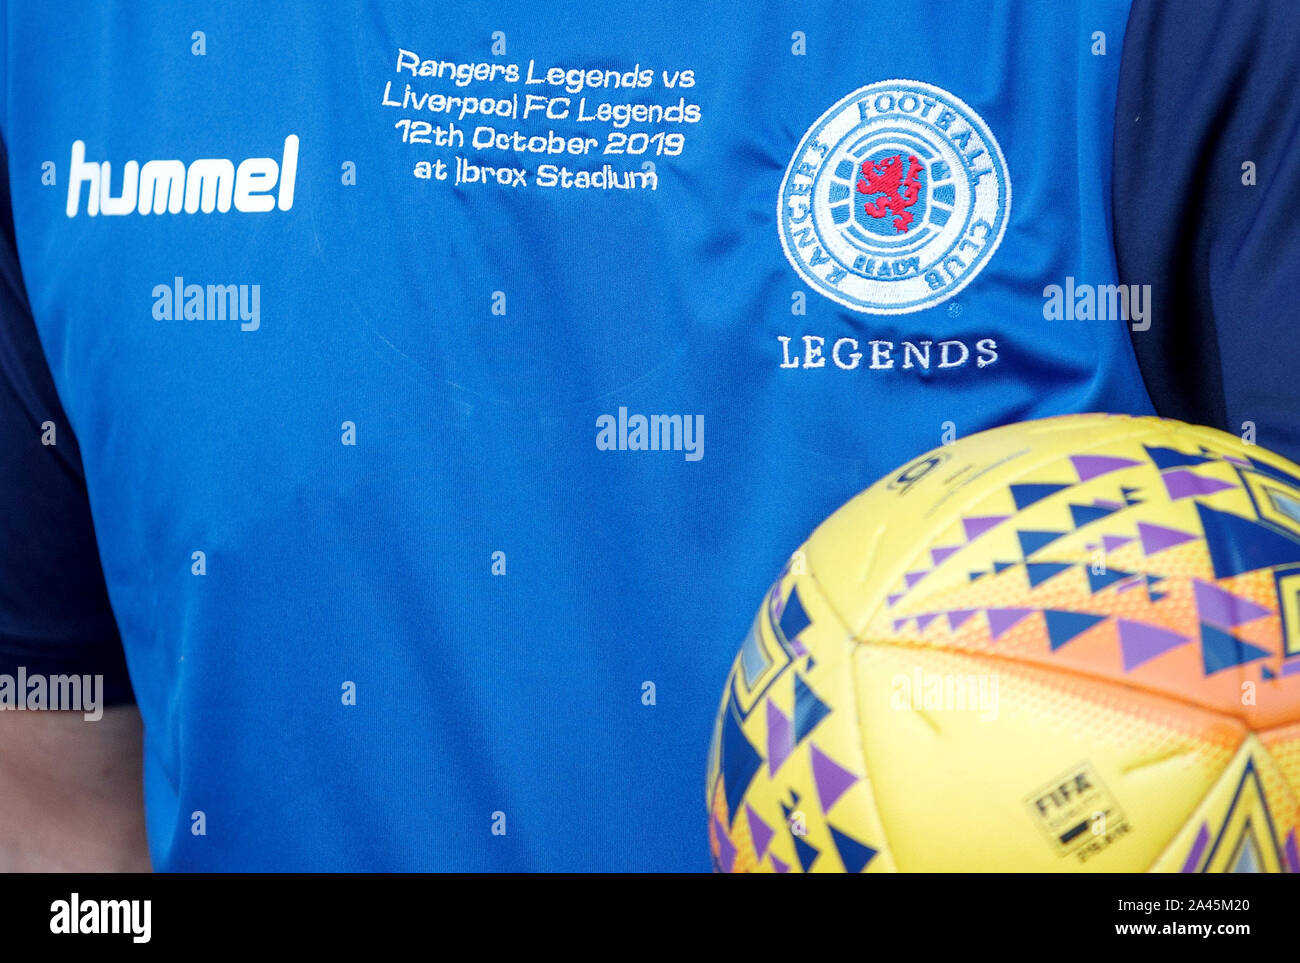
(168, 186)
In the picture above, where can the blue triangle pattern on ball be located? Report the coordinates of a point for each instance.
(854, 854)
(807, 852)
(1221, 650)
(808, 709)
(1065, 626)
(1031, 542)
(1171, 458)
(1099, 580)
(793, 617)
(740, 761)
(1040, 572)
(1087, 514)
(1026, 495)
(1239, 544)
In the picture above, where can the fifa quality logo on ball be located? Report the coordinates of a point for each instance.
(895, 199)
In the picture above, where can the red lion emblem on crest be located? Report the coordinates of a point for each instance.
(885, 177)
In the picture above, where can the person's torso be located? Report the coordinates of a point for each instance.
(494, 356)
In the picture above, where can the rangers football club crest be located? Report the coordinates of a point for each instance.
(895, 199)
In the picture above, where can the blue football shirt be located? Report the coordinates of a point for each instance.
(445, 383)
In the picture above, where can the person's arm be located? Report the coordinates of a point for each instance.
(70, 792)
(1206, 192)
(70, 787)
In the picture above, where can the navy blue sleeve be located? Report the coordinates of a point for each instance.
(54, 612)
(1208, 87)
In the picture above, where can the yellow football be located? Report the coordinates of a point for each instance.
(1068, 644)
